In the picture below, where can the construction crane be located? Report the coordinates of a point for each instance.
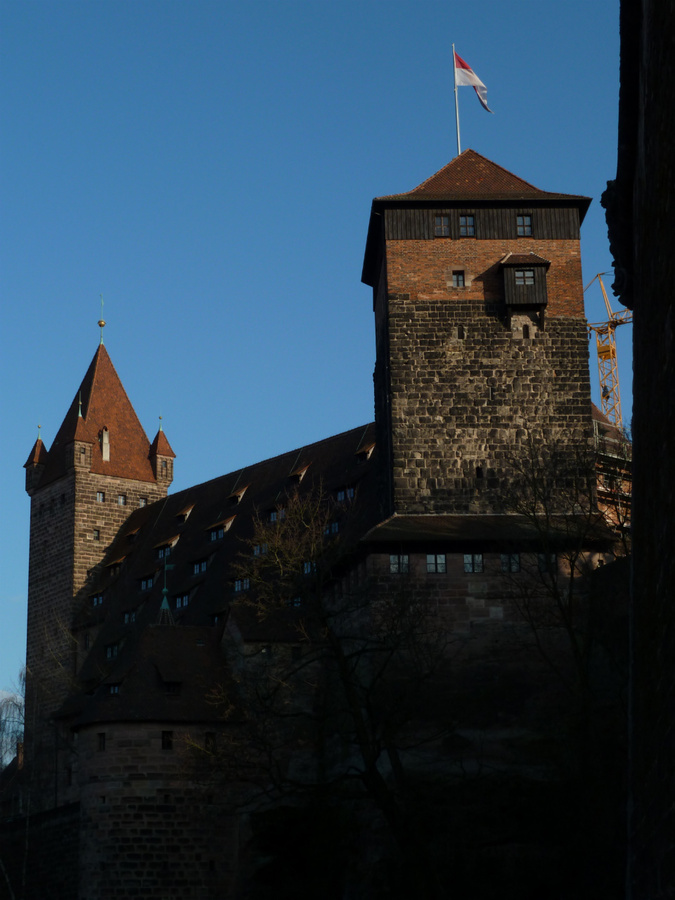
(605, 339)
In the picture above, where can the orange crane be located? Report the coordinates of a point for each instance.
(605, 339)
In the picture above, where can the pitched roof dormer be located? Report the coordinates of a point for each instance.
(101, 430)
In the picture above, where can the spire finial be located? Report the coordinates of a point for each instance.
(79, 403)
(39, 437)
(160, 423)
(101, 321)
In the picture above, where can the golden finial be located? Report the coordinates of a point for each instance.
(101, 321)
(160, 423)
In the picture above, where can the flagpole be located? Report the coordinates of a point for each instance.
(454, 76)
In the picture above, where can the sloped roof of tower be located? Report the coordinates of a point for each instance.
(161, 446)
(472, 176)
(38, 455)
(102, 403)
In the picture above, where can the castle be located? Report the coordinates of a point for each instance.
(137, 596)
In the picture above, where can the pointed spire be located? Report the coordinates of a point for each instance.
(165, 614)
(101, 321)
(101, 402)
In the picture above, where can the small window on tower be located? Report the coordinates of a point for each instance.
(97, 534)
(458, 279)
(442, 226)
(142, 501)
(524, 226)
(121, 499)
(467, 227)
(524, 276)
(100, 496)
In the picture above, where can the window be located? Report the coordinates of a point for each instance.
(114, 689)
(436, 563)
(100, 496)
(458, 279)
(466, 226)
(97, 600)
(97, 534)
(142, 501)
(216, 533)
(510, 562)
(182, 601)
(308, 568)
(147, 583)
(172, 688)
(114, 569)
(442, 226)
(199, 567)
(399, 564)
(331, 529)
(111, 651)
(101, 741)
(129, 617)
(524, 276)
(344, 494)
(294, 602)
(121, 499)
(276, 515)
(526, 332)
(260, 550)
(167, 740)
(473, 562)
(242, 584)
(547, 563)
(164, 552)
(461, 333)
(524, 226)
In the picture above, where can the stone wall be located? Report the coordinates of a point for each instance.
(463, 384)
(147, 829)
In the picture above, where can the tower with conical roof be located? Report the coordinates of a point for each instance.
(100, 467)
(481, 341)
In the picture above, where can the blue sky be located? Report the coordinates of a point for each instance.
(208, 167)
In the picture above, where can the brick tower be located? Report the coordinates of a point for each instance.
(480, 333)
(99, 468)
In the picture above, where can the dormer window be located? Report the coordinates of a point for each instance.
(365, 453)
(237, 496)
(105, 445)
(183, 514)
(242, 584)
(299, 474)
(111, 651)
(345, 494)
(97, 600)
(260, 549)
(130, 617)
(277, 515)
(182, 600)
(218, 529)
(147, 582)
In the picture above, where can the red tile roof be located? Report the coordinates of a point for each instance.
(104, 404)
(471, 175)
(37, 456)
(161, 446)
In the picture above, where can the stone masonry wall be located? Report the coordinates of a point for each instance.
(147, 830)
(468, 386)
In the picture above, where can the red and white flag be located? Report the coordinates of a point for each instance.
(465, 75)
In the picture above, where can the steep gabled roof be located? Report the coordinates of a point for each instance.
(472, 176)
(161, 446)
(101, 402)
